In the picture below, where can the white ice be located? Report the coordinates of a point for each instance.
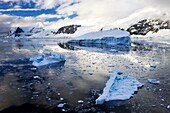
(44, 59)
(119, 88)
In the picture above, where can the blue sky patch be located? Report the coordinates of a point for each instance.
(72, 16)
(30, 13)
(54, 19)
(11, 5)
(7, 5)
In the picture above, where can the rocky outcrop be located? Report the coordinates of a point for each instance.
(71, 29)
(18, 31)
(147, 25)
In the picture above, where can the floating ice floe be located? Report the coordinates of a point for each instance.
(153, 81)
(119, 88)
(108, 37)
(80, 101)
(61, 105)
(45, 59)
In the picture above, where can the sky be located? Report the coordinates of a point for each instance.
(101, 13)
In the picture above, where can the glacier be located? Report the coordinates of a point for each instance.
(119, 88)
(45, 59)
(108, 37)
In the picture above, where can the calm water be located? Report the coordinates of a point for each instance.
(82, 76)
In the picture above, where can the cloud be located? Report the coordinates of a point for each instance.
(112, 12)
(162, 4)
(100, 13)
(4, 28)
(95, 12)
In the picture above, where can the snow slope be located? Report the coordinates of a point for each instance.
(108, 33)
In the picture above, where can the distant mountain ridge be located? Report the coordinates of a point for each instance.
(140, 28)
(16, 32)
(147, 25)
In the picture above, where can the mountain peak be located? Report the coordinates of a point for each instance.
(39, 25)
(38, 28)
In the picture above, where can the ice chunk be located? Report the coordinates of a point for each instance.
(61, 105)
(119, 88)
(61, 99)
(153, 81)
(80, 101)
(45, 59)
(168, 106)
(38, 57)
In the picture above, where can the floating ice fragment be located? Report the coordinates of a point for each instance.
(61, 99)
(61, 105)
(80, 101)
(37, 77)
(45, 59)
(119, 88)
(168, 106)
(58, 94)
(33, 69)
(153, 81)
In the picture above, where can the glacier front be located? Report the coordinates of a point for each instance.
(119, 88)
(109, 37)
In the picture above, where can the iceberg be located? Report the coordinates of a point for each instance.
(45, 59)
(153, 81)
(119, 88)
(108, 37)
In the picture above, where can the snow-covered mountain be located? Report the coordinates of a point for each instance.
(148, 25)
(25, 31)
(66, 31)
(16, 32)
(39, 28)
(36, 30)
